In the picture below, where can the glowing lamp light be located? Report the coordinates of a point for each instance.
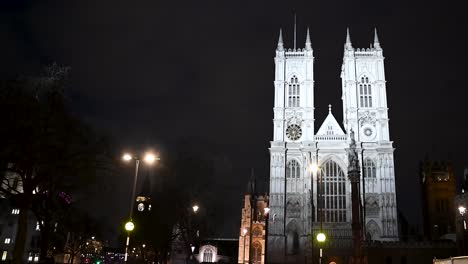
(150, 158)
(195, 208)
(244, 231)
(193, 248)
(127, 157)
(462, 210)
(266, 210)
(321, 237)
(129, 226)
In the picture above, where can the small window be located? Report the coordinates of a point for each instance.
(15, 211)
(293, 169)
(294, 92)
(7, 240)
(365, 92)
(38, 226)
(4, 255)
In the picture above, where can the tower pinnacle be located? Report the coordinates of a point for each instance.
(376, 39)
(308, 44)
(280, 41)
(348, 44)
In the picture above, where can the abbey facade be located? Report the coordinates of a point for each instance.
(309, 187)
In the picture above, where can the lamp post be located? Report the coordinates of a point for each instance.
(320, 236)
(148, 158)
(462, 211)
(244, 232)
(266, 211)
(189, 230)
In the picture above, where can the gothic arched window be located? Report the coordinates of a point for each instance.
(257, 253)
(293, 92)
(365, 92)
(208, 255)
(332, 188)
(293, 170)
(369, 169)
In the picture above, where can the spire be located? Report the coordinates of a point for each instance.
(308, 44)
(376, 39)
(294, 31)
(348, 44)
(329, 108)
(280, 41)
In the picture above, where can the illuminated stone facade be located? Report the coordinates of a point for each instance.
(294, 215)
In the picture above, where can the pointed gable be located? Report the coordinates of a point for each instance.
(330, 126)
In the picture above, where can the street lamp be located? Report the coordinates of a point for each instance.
(321, 237)
(462, 211)
(148, 158)
(315, 168)
(244, 232)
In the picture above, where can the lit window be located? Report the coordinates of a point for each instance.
(15, 211)
(4, 255)
(36, 257)
(365, 92)
(332, 188)
(293, 92)
(293, 170)
(30, 258)
(38, 226)
(208, 255)
(7, 240)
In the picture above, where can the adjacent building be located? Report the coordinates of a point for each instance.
(252, 231)
(438, 193)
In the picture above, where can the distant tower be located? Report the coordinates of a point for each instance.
(252, 244)
(438, 191)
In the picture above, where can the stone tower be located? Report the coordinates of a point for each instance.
(294, 187)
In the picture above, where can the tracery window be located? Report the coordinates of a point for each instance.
(332, 188)
(293, 92)
(365, 92)
(293, 169)
(369, 169)
(257, 253)
(208, 255)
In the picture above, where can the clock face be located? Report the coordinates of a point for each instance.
(141, 207)
(368, 133)
(294, 132)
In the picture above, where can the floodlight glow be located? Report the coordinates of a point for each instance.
(266, 210)
(195, 208)
(314, 167)
(244, 231)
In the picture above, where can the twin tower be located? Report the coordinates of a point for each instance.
(304, 200)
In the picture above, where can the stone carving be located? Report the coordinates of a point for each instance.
(367, 118)
(294, 117)
(353, 160)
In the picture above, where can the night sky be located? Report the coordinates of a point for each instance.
(153, 73)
